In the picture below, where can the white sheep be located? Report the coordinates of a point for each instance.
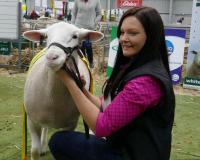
(47, 101)
(194, 69)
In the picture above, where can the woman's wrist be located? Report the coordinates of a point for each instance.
(65, 77)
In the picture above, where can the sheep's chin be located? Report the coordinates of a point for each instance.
(54, 66)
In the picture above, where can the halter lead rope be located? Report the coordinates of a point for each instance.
(75, 75)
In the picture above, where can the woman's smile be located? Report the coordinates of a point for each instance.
(126, 47)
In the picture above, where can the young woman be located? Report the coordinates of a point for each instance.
(137, 110)
(86, 14)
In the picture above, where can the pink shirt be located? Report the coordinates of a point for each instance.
(137, 96)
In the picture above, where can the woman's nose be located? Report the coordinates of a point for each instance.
(124, 37)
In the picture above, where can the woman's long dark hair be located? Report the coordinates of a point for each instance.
(154, 47)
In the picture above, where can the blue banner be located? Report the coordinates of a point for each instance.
(175, 41)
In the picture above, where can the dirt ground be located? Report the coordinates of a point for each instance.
(100, 77)
(183, 91)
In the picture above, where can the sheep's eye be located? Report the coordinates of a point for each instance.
(74, 36)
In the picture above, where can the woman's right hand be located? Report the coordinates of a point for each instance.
(83, 80)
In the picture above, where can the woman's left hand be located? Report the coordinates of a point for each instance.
(63, 75)
(86, 107)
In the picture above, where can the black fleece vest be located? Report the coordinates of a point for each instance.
(148, 137)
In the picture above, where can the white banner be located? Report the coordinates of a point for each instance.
(192, 79)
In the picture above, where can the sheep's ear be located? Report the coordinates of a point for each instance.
(35, 35)
(91, 35)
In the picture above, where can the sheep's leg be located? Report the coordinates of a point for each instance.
(44, 141)
(35, 132)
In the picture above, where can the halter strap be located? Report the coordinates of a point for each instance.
(68, 50)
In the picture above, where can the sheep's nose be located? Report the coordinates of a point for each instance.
(52, 57)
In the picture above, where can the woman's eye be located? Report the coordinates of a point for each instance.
(74, 36)
(129, 33)
(132, 33)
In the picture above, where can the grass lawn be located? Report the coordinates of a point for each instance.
(186, 131)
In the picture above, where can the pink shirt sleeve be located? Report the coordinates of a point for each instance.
(137, 95)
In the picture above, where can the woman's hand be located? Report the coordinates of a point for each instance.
(84, 104)
(63, 75)
(83, 80)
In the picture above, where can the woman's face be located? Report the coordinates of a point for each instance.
(133, 36)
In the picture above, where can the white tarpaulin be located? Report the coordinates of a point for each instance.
(9, 19)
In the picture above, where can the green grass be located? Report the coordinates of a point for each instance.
(186, 131)
(11, 91)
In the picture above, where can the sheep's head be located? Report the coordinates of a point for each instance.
(196, 57)
(64, 34)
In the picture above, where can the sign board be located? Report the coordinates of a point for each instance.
(128, 3)
(5, 48)
(192, 79)
(112, 51)
(175, 42)
(10, 15)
